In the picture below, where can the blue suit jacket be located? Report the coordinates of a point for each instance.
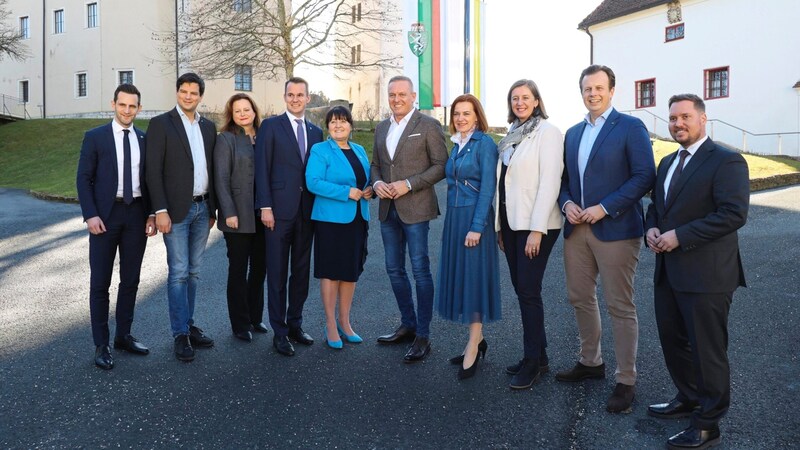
(472, 178)
(97, 177)
(279, 170)
(620, 171)
(329, 176)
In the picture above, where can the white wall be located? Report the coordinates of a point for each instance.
(759, 41)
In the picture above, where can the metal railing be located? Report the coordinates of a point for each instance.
(14, 107)
(726, 132)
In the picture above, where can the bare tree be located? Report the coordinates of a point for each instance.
(11, 44)
(369, 112)
(216, 37)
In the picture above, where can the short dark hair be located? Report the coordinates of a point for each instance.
(401, 78)
(339, 112)
(539, 111)
(482, 123)
(295, 80)
(593, 69)
(191, 77)
(698, 102)
(128, 88)
(229, 123)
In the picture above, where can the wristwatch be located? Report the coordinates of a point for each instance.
(408, 184)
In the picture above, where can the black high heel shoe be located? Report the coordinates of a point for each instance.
(469, 372)
(482, 347)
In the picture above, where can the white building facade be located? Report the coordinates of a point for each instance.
(740, 56)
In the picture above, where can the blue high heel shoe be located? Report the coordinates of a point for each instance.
(333, 344)
(354, 339)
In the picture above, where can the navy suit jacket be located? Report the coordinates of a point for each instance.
(706, 207)
(97, 177)
(620, 171)
(280, 172)
(170, 168)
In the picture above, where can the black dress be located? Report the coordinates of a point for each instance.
(340, 249)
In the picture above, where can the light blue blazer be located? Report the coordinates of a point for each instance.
(329, 176)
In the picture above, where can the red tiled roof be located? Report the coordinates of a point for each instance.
(612, 9)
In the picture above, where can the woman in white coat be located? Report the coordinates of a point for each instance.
(529, 170)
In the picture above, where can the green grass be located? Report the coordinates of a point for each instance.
(42, 155)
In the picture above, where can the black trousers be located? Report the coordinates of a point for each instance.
(693, 329)
(526, 277)
(288, 246)
(124, 230)
(247, 269)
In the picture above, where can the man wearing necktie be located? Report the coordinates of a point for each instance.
(113, 197)
(281, 152)
(700, 200)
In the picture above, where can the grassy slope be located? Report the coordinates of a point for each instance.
(42, 155)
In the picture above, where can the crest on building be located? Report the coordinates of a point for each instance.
(674, 12)
(418, 39)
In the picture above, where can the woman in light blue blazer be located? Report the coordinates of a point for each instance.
(338, 174)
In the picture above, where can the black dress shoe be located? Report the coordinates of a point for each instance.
(527, 374)
(544, 366)
(244, 335)
(260, 327)
(199, 338)
(419, 350)
(282, 345)
(102, 357)
(401, 334)
(674, 409)
(581, 372)
(183, 348)
(130, 344)
(621, 399)
(694, 439)
(300, 336)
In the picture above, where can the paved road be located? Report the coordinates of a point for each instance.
(240, 395)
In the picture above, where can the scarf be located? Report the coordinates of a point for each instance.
(516, 135)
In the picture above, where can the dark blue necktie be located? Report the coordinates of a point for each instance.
(127, 177)
(677, 173)
(301, 139)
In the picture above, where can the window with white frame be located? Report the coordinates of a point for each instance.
(126, 77)
(81, 87)
(24, 91)
(58, 21)
(25, 27)
(91, 15)
(243, 78)
(355, 54)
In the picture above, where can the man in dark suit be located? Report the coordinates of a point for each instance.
(408, 159)
(700, 200)
(113, 196)
(608, 168)
(282, 148)
(179, 175)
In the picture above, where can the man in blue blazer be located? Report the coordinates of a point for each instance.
(180, 177)
(608, 168)
(113, 197)
(700, 200)
(282, 147)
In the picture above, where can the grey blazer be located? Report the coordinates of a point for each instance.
(420, 158)
(233, 180)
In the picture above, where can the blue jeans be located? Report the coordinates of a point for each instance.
(186, 244)
(396, 235)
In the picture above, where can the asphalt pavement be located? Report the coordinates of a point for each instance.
(239, 395)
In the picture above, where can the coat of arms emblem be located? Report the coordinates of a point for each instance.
(418, 39)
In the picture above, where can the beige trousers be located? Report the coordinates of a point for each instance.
(585, 257)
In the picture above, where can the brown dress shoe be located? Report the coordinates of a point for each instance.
(581, 372)
(621, 399)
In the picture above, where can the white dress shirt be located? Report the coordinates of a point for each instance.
(692, 150)
(198, 147)
(119, 139)
(395, 131)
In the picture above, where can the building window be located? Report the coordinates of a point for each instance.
(91, 15)
(25, 27)
(243, 6)
(355, 54)
(646, 93)
(24, 91)
(358, 15)
(125, 77)
(674, 32)
(81, 89)
(243, 78)
(716, 82)
(58, 21)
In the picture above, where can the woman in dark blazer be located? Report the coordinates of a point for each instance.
(244, 233)
(338, 174)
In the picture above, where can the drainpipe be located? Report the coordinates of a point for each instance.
(177, 52)
(591, 45)
(44, 59)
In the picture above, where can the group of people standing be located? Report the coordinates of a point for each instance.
(275, 187)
